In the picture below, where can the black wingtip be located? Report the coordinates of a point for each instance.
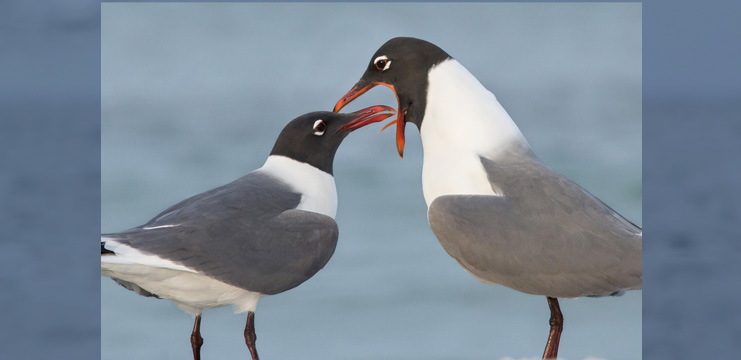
(103, 250)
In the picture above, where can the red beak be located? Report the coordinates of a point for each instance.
(400, 123)
(367, 116)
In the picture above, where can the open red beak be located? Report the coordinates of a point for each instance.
(400, 123)
(367, 116)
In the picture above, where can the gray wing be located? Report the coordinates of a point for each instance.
(546, 236)
(246, 233)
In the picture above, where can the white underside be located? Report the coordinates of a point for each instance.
(185, 287)
(191, 292)
(462, 122)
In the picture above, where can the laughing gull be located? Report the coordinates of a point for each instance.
(496, 209)
(262, 234)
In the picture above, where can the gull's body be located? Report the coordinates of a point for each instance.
(233, 244)
(503, 215)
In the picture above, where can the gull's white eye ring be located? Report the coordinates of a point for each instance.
(382, 63)
(319, 127)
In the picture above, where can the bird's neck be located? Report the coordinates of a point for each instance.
(317, 188)
(463, 121)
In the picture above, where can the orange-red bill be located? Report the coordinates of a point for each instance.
(356, 91)
(400, 125)
(367, 116)
(387, 125)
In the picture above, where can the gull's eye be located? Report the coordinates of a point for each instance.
(319, 127)
(382, 63)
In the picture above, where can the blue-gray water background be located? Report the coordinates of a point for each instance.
(193, 96)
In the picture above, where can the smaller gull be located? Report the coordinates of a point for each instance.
(262, 234)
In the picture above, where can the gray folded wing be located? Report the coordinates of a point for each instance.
(246, 233)
(546, 236)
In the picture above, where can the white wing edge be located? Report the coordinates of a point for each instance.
(125, 254)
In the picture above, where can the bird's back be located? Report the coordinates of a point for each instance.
(545, 236)
(246, 234)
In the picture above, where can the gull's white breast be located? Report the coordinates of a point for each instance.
(317, 188)
(463, 121)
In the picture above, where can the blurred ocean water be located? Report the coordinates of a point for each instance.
(193, 96)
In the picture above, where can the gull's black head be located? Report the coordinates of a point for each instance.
(402, 64)
(313, 138)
